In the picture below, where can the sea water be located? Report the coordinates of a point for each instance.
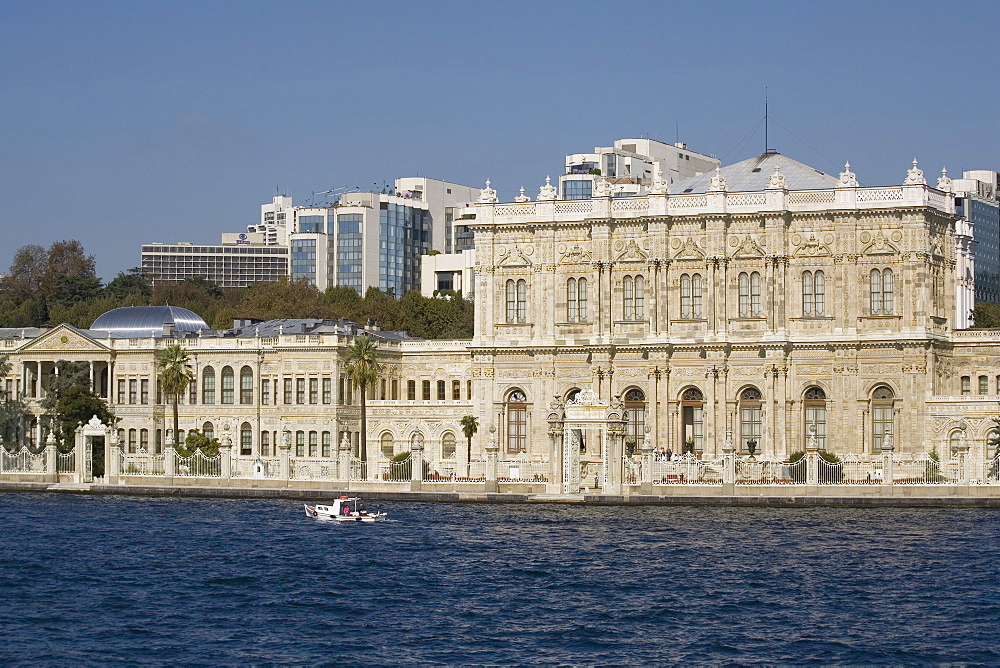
(113, 580)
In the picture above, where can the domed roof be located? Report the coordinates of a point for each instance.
(143, 321)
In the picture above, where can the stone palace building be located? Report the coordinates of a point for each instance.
(755, 306)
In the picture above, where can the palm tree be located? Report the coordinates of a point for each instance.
(176, 375)
(362, 369)
(470, 425)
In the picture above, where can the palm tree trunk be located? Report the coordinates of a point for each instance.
(175, 422)
(468, 457)
(364, 426)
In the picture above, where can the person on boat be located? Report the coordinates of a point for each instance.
(346, 510)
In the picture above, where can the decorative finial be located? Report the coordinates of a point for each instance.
(602, 188)
(847, 177)
(659, 186)
(777, 180)
(944, 183)
(522, 197)
(487, 195)
(915, 176)
(547, 192)
(718, 183)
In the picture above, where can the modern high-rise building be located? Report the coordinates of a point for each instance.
(977, 202)
(241, 259)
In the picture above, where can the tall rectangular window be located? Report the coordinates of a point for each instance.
(314, 390)
(193, 392)
(144, 391)
(441, 390)
(313, 444)
(456, 390)
(395, 389)
(133, 391)
(288, 391)
(300, 390)
(300, 444)
(411, 390)
(265, 392)
(426, 390)
(327, 390)
(326, 444)
(984, 385)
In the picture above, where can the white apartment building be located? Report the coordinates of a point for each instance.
(630, 166)
(242, 259)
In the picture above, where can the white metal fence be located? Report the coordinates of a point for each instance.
(140, 463)
(258, 468)
(197, 465)
(66, 462)
(22, 461)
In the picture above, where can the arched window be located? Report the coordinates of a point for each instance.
(993, 447)
(517, 421)
(628, 293)
(572, 394)
(208, 386)
(517, 301)
(640, 297)
(327, 444)
(882, 414)
(387, 445)
(751, 418)
(692, 421)
(144, 440)
(208, 430)
(635, 419)
(313, 444)
(522, 300)
(572, 301)
(749, 295)
(246, 439)
(131, 440)
(881, 290)
(228, 381)
(300, 444)
(246, 385)
(814, 405)
(582, 297)
(511, 301)
(813, 293)
(448, 445)
(691, 296)
(954, 442)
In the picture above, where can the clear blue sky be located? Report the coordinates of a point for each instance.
(123, 123)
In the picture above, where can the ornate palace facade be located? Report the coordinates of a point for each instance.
(759, 305)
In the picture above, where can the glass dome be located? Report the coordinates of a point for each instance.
(144, 321)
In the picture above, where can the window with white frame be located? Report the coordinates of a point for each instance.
(881, 292)
(813, 294)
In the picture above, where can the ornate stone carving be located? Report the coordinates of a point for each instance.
(602, 188)
(718, 182)
(522, 197)
(847, 177)
(659, 186)
(777, 180)
(944, 183)
(915, 176)
(487, 195)
(547, 192)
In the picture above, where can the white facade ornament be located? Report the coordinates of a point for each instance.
(547, 192)
(915, 176)
(602, 188)
(718, 183)
(522, 197)
(487, 195)
(659, 185)
(847, 177)
(777, 180)
(944, 183)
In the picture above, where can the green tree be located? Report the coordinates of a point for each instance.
(362, 368)
(66, 259)
(12, 413)
(69, 290)
(78, 404)
(195, 440)
(470, 425)
(24, 279)
(67, 375)
(345, 302)
(134, 287)
(176, 375)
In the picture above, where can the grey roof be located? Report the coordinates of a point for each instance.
(143, 321)
(752, 176)
(19, 332)
(286, 326)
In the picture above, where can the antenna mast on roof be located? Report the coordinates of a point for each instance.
(766, 147)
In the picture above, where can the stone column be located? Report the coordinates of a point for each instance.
(284, 454)
(344, 459)
(491, 462)
(416, 462)
(887, 448)
(169, 460)
(556, 444)
(113, 449)
(51, 455)
(226, 462)
(963, 460)
(728, 463)
(812, 460)
(646, 456)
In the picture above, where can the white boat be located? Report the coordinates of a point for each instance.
(344, 509)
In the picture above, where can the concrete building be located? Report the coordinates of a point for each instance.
(630, 166)
(241, 259)
(977, 203)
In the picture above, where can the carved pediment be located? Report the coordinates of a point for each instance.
(575, 255)
(632, 253)
(65, 338)
(811, 247)
(690, 249)
(880, 246)
(515, 258)
(748, 248)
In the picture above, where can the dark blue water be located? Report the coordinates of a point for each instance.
(99, 580)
